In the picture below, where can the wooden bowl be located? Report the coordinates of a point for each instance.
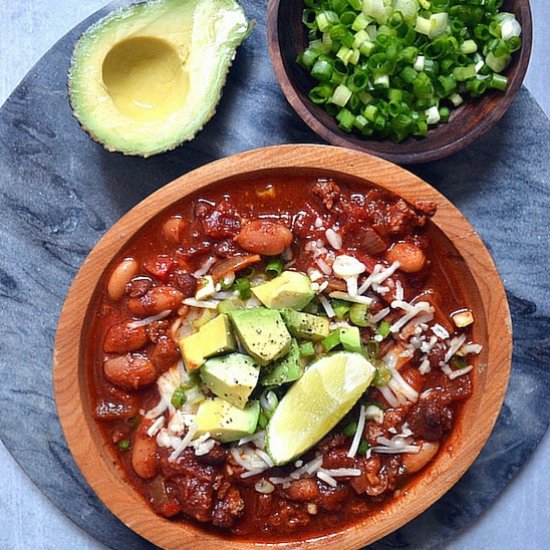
(287, 38)
(462, 244)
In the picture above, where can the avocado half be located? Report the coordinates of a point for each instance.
(148, 77)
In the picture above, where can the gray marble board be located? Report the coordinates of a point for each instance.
(59, 192)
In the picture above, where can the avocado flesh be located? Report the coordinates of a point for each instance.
(287, 369)
(213, 338)
(261, 332)
(225, 422)
(148, 77)
(305, 325)
(232, 377)
(289, 290)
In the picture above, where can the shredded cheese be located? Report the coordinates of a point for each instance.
(350, 298)
(358, 433)
(148, 320)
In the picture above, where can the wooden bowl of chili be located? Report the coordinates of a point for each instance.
(458, 255)
(471, 117)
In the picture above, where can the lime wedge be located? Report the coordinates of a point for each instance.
(316, 403)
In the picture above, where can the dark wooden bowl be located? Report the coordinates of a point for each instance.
(287, 38)
(473, 426)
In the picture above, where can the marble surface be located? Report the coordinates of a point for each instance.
(55, 206)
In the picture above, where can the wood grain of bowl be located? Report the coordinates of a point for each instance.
(481, 283)
(287, 38)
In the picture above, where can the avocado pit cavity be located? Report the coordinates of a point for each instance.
(145, 78)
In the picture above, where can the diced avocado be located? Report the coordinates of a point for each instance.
(261, 332)
(231, 377)
(225, 422)
(213, 338)
(305, 325)
(148, 77)
(287, 369)
(289, 290)
(348, 337)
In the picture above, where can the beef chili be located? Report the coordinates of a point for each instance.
(220, 306)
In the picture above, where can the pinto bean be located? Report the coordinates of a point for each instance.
(130, 371)
(156, 300)
(144, 453)
(122, 337)
(414, 462)
(264, 237)
(172, 230)
(120, 277)
(410, 257)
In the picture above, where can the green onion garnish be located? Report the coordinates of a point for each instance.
(274, 267)
(179, 397)
(358, 315)
(391, 68)
(341, 308)
(382, 377)
(383, 329)
(124, 444)
(363, 447)
(307, 349)
(458, 363)
(242, 284)
(350, 429)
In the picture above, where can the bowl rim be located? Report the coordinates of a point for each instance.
(304, 108)
(90, 451)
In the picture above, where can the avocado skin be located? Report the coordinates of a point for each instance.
(305, 325)
(85, 69)
(261, 332)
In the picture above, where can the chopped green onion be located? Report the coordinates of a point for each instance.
(243, 286)
(178, 397)
(382, 377)
(468, 47)
(372, 349)
(263, 420)
(457, 363)
(321, 70)
(383, 67)
(498, 81)
(363, 447)
(274, 267)
(307, 349)
(358, 315)
(350, 429)
(325, 20)
(341, 95)
(341, 308)
(124, 444)
(383, 329)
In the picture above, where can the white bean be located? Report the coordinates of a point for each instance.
(414, 462)
(120, 277)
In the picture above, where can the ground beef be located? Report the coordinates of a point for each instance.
(227, 510)
(185, 282)
(430, 419)
(327, 191)
(215, 456)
